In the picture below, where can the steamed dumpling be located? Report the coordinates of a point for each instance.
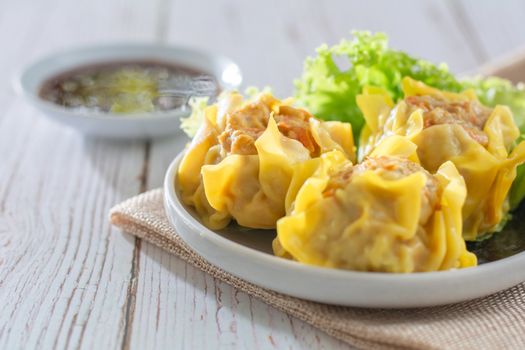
(452, 127)
(240, 163)
(385, 214)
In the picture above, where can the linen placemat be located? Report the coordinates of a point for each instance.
(494, 322)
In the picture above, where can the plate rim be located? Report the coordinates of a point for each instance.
(403, 281)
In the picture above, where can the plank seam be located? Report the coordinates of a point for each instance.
(467, 30)
(131, 296)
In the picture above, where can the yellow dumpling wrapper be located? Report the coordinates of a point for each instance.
(488, 169)
(240, 164)
(252, 188)
(374, 222)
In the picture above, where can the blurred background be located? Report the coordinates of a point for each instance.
(268, 40)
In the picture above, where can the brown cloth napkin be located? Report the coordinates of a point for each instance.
(494, 322)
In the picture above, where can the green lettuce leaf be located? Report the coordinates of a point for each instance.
(517, 191)
(332, 79)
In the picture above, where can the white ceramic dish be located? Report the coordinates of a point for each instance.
(29, 81)
(247, 254)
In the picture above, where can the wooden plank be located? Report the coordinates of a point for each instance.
(180, 306)
(65, 274)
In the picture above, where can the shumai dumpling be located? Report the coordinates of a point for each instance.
(480, 141)
(385, 214)
(240, 163)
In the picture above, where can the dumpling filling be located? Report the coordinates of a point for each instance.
(469, 114)
(245, 125)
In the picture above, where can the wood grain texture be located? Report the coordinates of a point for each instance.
(67, 279)
(64, 273)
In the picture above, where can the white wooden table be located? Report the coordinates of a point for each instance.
(68, 279)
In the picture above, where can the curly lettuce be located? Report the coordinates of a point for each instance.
(336, 75)
(328, 89)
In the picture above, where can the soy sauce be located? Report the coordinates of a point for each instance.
(128, 87)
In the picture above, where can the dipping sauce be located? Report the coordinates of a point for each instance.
(127, 87)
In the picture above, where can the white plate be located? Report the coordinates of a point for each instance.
(29, 81)
(247, 254)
